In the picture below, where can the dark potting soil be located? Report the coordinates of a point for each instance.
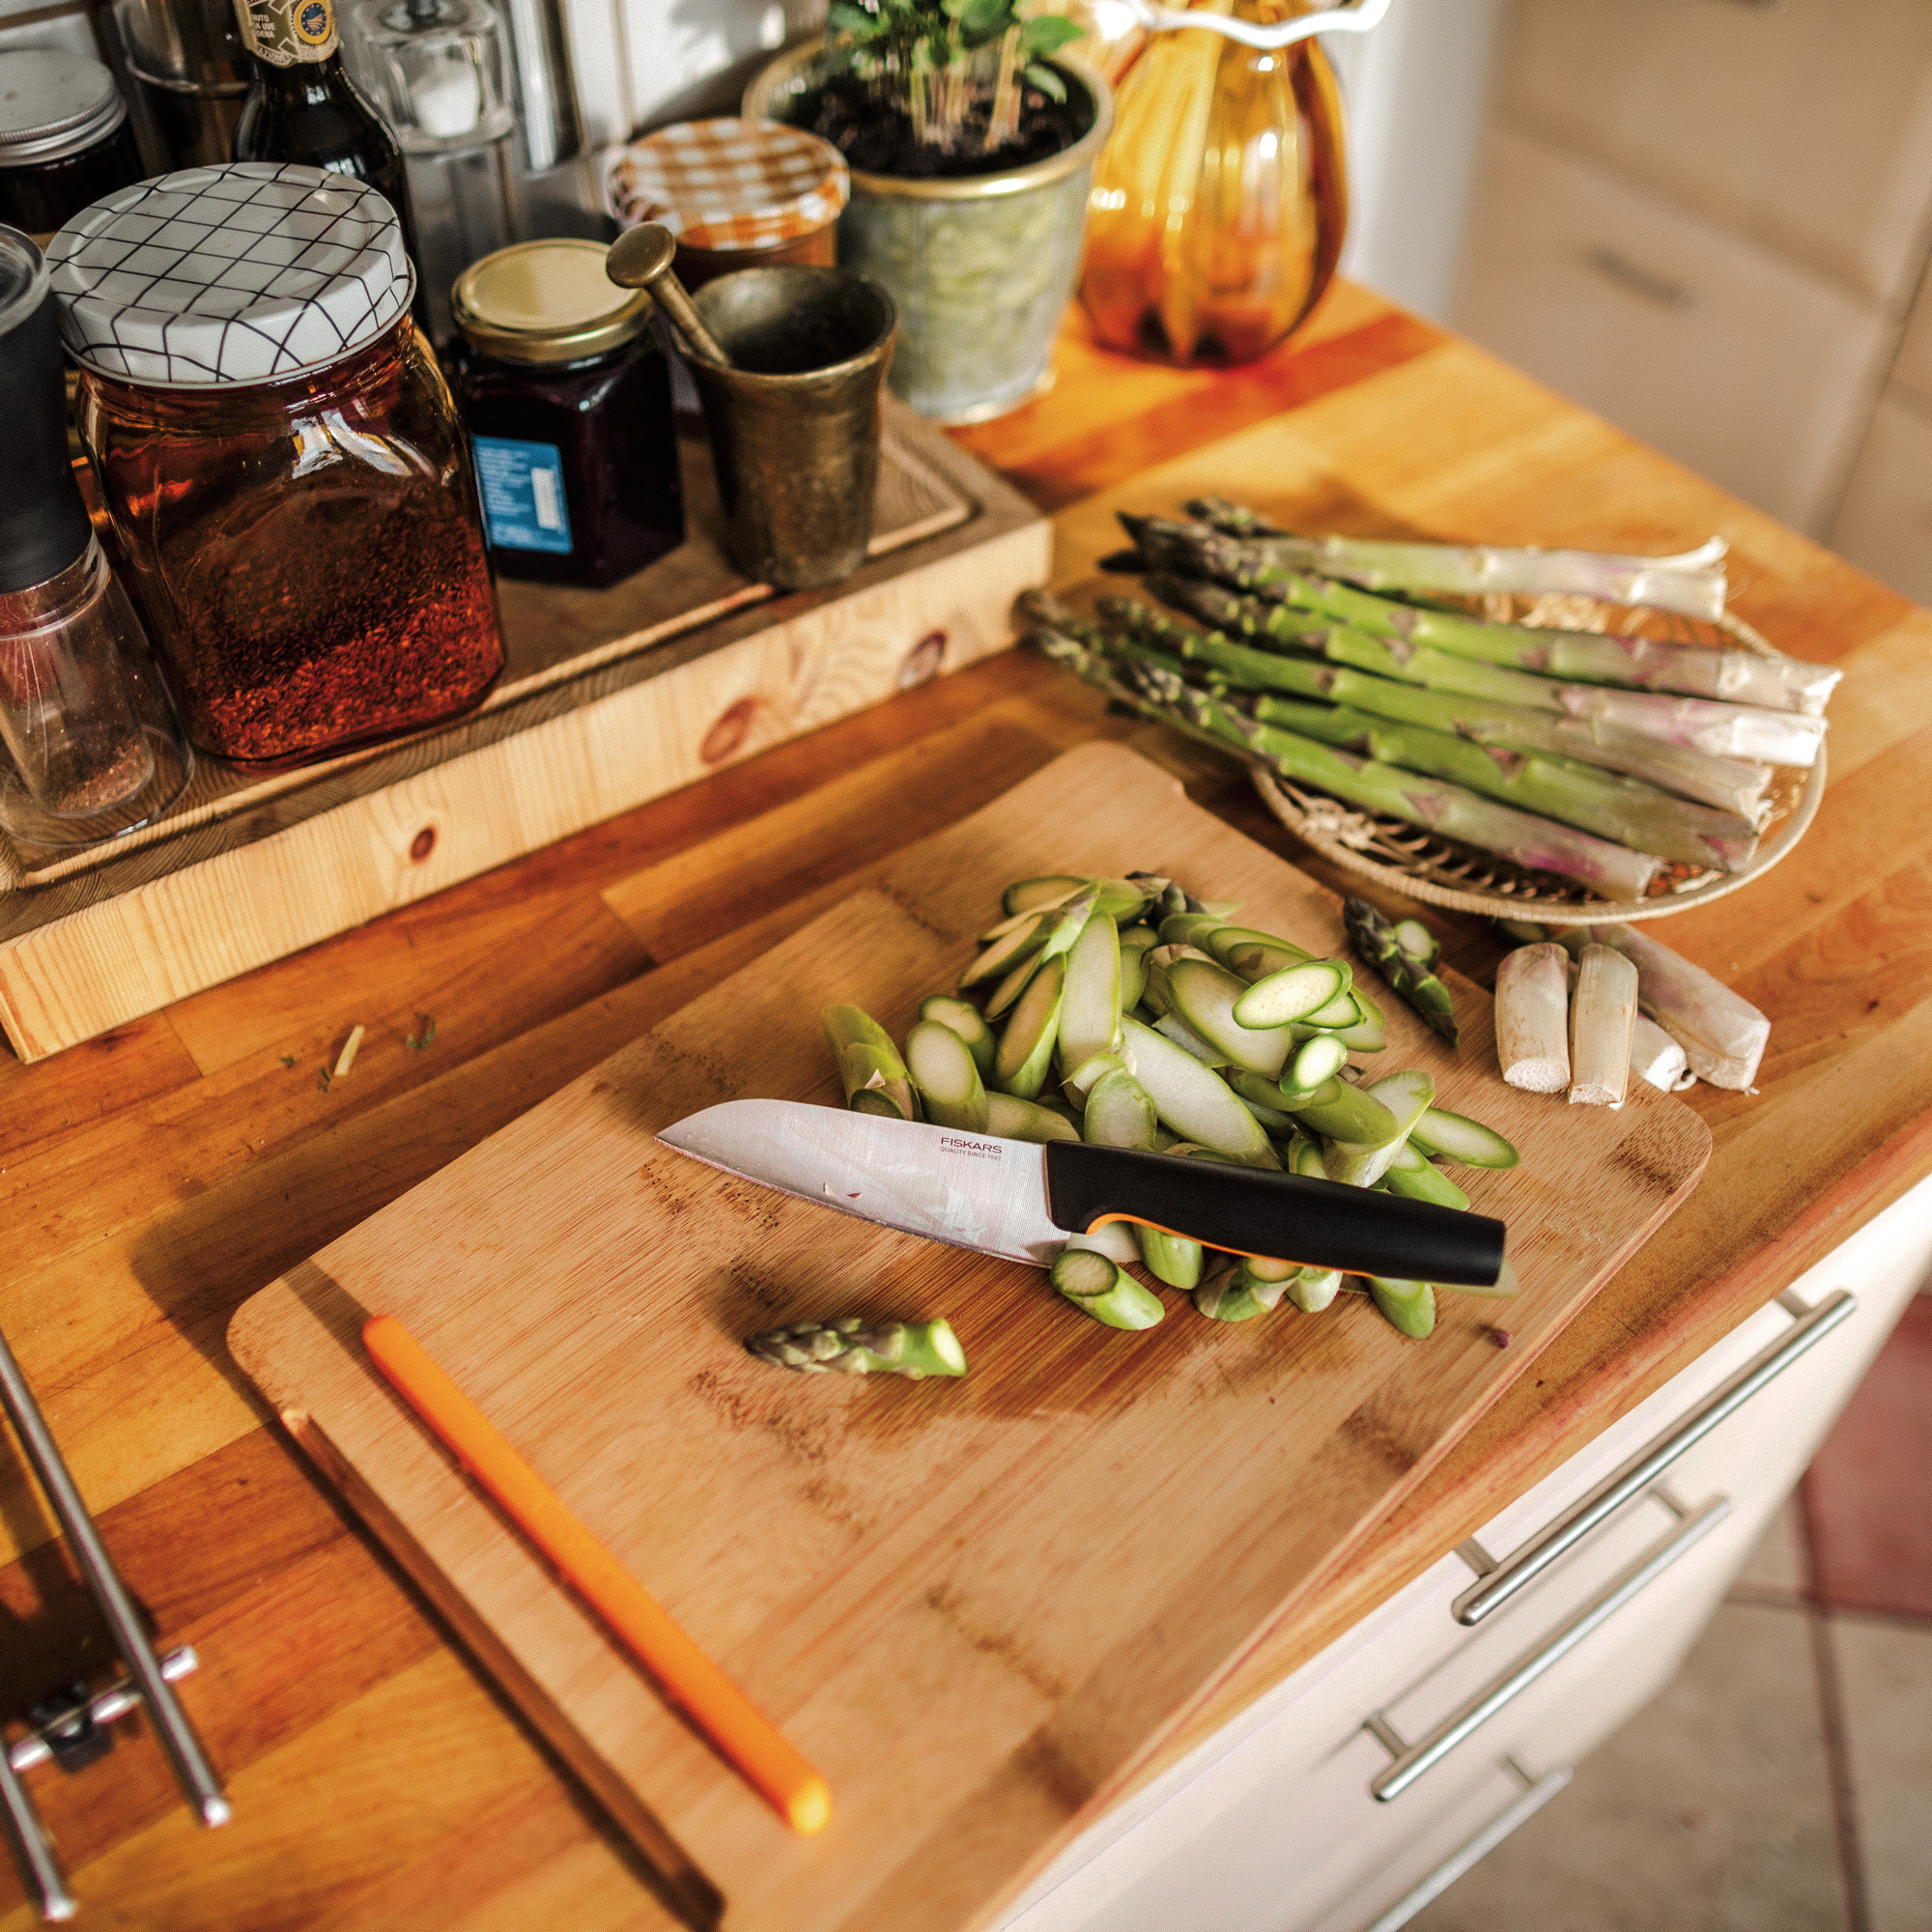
(877, 137)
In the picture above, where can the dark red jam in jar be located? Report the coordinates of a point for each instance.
(280, 459)
(567, 400)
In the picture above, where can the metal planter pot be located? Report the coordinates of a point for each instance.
(981, 268)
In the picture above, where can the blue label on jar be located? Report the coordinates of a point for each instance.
(523, 493)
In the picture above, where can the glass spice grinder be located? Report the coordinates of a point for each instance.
(89, 743)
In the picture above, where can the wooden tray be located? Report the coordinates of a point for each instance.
(976, 1606)
(608, 699)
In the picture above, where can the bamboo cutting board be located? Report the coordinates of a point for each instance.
(973, 1604)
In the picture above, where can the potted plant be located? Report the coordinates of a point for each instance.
(971, 138)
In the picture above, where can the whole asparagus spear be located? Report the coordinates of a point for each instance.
(1374, 940)
(1277, 565)
(1633, 813)
(1692, 582)
(1396, 657)
(1424, 687)
(1449, 809)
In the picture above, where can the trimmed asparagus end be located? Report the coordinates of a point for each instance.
(1657, 1058)
(1602, 1018)
(1723, 1036)
(1532, 1016)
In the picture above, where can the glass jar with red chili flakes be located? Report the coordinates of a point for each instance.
(279, 457)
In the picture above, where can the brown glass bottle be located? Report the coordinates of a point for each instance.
(303, 107)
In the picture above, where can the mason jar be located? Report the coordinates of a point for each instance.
(279, 457)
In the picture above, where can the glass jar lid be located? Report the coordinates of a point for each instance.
(256, 271)
(546, 301)
(728, 184)
(53, 104)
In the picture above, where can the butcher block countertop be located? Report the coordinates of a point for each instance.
(154, 1179)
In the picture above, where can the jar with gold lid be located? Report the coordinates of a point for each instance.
(567, 400)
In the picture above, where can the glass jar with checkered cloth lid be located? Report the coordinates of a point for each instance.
(279, 456)
(737, 194)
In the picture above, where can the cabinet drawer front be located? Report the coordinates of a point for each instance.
(1717, 353)
(1886, 524)
(1807, 126)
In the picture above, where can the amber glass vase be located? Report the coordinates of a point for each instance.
(1219, 204)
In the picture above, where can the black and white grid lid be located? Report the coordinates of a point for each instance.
(256, 271)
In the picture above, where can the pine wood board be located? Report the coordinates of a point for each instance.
(610, 698)
(976, 1606)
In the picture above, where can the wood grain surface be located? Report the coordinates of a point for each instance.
(610, 698)
(152, 1179)
(1025, 1556)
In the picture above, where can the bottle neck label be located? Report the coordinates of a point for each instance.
(288, 33)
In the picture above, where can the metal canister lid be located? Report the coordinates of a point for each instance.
(546, 301)
(256, 271)
(54, 104)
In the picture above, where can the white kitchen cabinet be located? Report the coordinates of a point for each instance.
(1272, 1825)
(1807, 126)
(1732, 359)
(1884, 525)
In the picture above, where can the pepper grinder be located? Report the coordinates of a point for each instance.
(89, 743)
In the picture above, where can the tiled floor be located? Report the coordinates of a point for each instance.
(1783, 1781)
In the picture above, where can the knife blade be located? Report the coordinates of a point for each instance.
(1021, 1201)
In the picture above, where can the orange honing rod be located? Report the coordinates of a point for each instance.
(687, 1676)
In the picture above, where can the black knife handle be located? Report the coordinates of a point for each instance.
(1253, 1210)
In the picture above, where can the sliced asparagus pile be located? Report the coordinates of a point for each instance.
(1130, 1014)
(1600, 758)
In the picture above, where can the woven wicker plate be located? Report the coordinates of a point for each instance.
(1445, 872)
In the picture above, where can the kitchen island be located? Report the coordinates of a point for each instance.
(152, 1180)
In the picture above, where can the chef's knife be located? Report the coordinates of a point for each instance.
(1013, 1198)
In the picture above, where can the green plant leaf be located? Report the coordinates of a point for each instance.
(843, 17)
(1048, 81)
(981, 20)
(1047, 34)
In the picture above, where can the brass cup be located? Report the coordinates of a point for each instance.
(794, 421)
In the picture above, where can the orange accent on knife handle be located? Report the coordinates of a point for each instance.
(1141, 1221)
(686, 1675)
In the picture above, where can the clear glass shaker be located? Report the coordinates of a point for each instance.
(437, 69)
(89, 743)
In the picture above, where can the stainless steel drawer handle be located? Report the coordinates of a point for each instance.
(1410, 1761)
(1536, 1794)
(1637, 280)
(1498, 1581)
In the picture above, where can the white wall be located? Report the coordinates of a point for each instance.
(642, 63)
(1417, 89)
